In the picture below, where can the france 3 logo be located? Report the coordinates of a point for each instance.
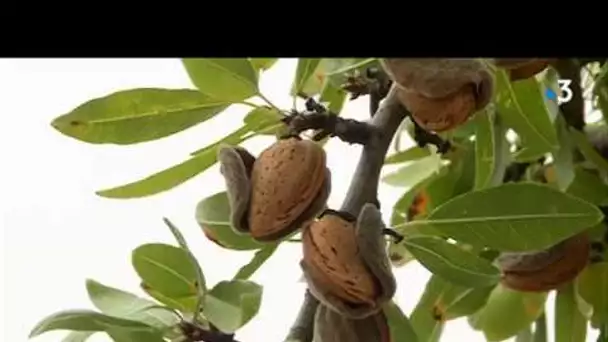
(565, 92)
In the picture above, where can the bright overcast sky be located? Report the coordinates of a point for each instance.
(57, 232)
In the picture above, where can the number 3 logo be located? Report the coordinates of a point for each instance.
(565, 92)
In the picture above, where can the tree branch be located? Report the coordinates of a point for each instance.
(363, 189)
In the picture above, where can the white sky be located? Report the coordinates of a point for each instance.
(56, 232)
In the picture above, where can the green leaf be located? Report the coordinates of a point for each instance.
(83, 320)
(213, 216)
(563, 157)
(230, 79)
(78, 336)
(512, 217)
(137, 115)
(342, 67)
(522, 309)
(120, 334)
(333, 96)
(570, 324)
(412, 153)
(591, 286)
(401, 329)
(201, 283)
(232, 304)
(522, 106)
(118, 303)
(452, 262)
(256, 262)
(183, 304)
(464, 301)
(304, 71)
(588, 151)
(175, 175)
(234, 138)
(414, 172)
(588, 186)
(262, 118)
(165, 268)
(427, 324)
(263, 63)
(486, 149)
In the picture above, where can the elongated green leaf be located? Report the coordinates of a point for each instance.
(463, 301)
(263, 63)
(304, 71)
(342, 67)
(118, 303)
(414, 172)
(183, 304)
(591, 285)
(256, 262)
(167, 269)
(232, 304)
(521, 104)
(485, 149)
(452, 262)
(563, 157)
(401, 329)
(212, 214)
(78, 336)
(262, 118)
(512, 217)
(412, 153)
(588, 186)
(333, 96)
(585, 147)
(137, 115)
(175, 175)
(120, 334)
(570, 324)
(522, 309)
(201, 283)
(229, 79)
(83, 320)
(234, 138)
(426, 320)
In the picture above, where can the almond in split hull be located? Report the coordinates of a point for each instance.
(441, 114)
(549, 269)
(331, 256)
(285, 180)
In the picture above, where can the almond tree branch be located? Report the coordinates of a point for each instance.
(363, 189)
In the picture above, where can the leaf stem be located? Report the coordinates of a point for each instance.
(267, 100)
(250, 104)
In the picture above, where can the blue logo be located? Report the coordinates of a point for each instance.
(550, 94)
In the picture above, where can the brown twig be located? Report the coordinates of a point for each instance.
(363, 189)
(574, 110)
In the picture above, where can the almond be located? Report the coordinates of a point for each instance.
(520, 69)
(442, 114)
(286, 181)
(333, 261)
(545, 270)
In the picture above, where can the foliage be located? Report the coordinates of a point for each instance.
(467, 216)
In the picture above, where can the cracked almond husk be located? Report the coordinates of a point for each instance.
(346, 264)
(441, 93)
(331, 326)
(520, 69)
(545, 270)
(274, 195)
